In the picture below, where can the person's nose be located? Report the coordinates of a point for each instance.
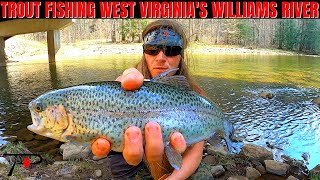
(161, 56)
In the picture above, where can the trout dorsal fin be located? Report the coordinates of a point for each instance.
(176, 80)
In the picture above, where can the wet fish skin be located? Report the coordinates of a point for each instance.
(86, 112)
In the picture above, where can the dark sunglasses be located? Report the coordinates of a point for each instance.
(168, 50)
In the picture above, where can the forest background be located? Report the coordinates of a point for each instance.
(300, 35)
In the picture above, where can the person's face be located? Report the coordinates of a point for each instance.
(160, 63)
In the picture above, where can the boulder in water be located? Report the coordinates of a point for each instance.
(277, 168)
(266, 95)
(316, 101)
(256, 152)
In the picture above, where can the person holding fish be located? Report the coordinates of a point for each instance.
(163, 48)
(163, 121)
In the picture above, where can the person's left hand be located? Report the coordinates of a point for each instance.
(154, 147)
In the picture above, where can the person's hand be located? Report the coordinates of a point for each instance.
(131, 79)
(133, 144)
(133, 151)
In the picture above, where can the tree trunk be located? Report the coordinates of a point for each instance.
(190, 29)
(302, 29)
(113, 31)
(140, 30)
(123, 35)
(280, 34)
(2, 52)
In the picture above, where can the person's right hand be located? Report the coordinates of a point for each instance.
(133, 151)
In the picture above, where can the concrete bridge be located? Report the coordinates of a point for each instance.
(10, 28)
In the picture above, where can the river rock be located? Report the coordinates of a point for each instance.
(252, 173)
(256, 152)
(261, 169)
(105, 161)
(65, 172)
(60, 163)
(217, 171)
(237, 178)
(75, 151)
(209, 160)
(277, 168)
(24, 135)
(315, 170)
(30, 178)
(33, 143)
(27, 137)
(98, 173)
(54, 151)
(58, 158)
(316, 101)
(213, 150)
(297, 167)
(47, 147)
(285, 158)
(292, 178)
(40, 138)
(13, 139)
(255, 163)
(266, 95)
(3, 161)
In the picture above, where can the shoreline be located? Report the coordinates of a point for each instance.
(253, 162)
(19, 50)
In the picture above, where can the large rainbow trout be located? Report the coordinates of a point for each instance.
(88, 111)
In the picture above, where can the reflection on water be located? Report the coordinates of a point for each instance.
(288, 70)
(289, 121)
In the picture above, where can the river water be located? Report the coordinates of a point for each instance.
(289, 121)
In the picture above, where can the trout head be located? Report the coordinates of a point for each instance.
(49, 117)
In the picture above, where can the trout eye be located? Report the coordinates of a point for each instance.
(38, 107)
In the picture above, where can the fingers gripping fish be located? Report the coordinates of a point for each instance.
(85, 112)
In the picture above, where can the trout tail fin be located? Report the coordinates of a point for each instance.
(228, 134)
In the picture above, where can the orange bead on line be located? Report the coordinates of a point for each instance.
(100, 147)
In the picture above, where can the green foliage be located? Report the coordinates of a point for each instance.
(310, 36)
(291, 33)
(15, 148)
(315, 177)
(132, 28)
(302, 35)
(287, 34)
(244, 32)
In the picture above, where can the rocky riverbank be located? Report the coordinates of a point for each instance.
(75, 162)
(71, 161)
(19, 49)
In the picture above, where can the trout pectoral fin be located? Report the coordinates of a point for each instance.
(174, 158)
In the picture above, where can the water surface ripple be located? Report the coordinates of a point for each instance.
(289, 121)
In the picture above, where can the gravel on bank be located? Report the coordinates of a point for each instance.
(19, 49)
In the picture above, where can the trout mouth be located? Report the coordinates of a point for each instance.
(36, 129)
(39, 130)
(49, 122)
(36, 125)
